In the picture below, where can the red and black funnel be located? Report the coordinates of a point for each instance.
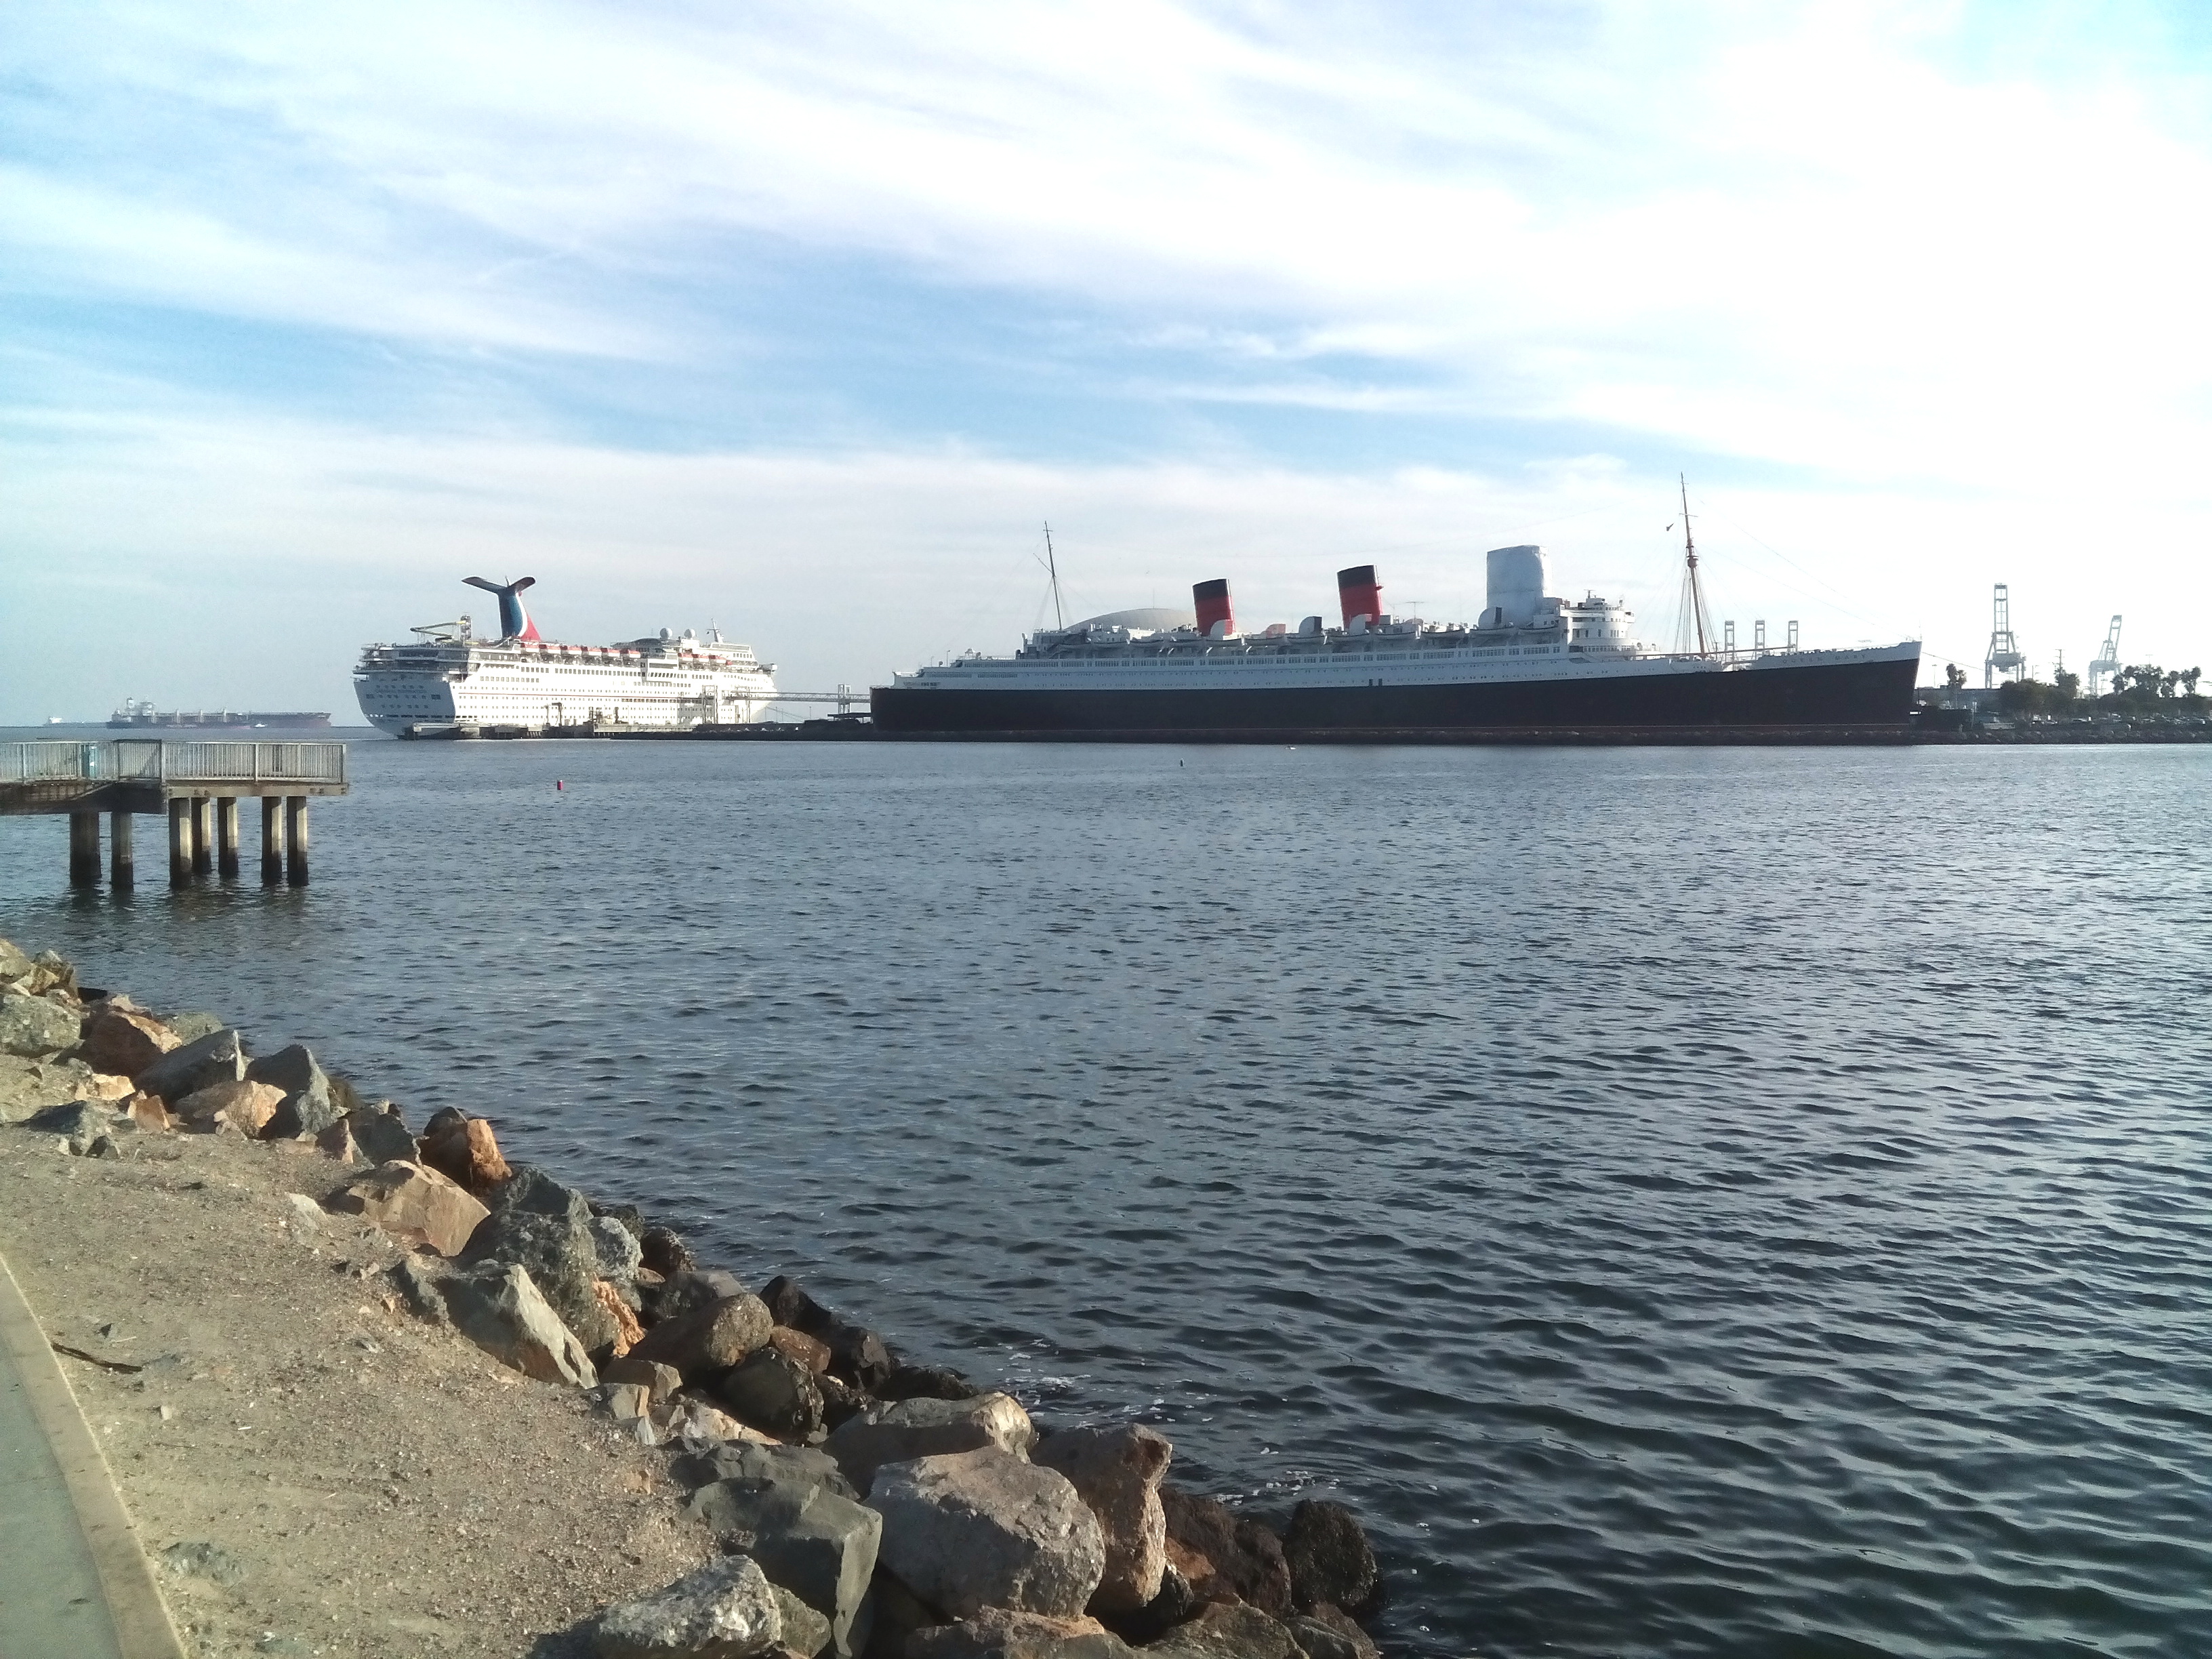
(1211, 599)
(1359, 593)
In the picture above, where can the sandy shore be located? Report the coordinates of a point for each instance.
(371, 1485)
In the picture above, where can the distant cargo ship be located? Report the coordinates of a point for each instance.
(225, 720)
(449, 682)
(1533, 667)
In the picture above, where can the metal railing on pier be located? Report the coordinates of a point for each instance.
(174, 765)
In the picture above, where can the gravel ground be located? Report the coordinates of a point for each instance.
(369, 1483)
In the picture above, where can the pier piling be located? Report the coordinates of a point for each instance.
(272, 841)
(84, 849)
(226, 835)
(295, 839)
(202, 836)
(181, 843)
(121, 873)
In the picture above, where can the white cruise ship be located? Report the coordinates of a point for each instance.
(449, 682)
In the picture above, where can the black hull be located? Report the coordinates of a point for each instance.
(1854, 701)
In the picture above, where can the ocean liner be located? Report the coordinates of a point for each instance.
(1533, 667)
(449, 682)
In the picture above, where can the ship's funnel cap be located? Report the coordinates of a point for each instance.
(514, 622)
(1210, 601)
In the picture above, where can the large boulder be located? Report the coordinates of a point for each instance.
(381, 1133)
(857, 1354)
(1247, 1559)
(1228, 1630)
(1117, 1473)
(704, 1344)
(15, 962)
(496, 1306)
(817, 1544)
(745, 1462)
(725, 1610)
(1001, 1633)
(81, 1124)
(805, 1633)
(774, 1393)
(1329, 1559)
(536, 1223)
(619, 1252)
(465, 1149)
(908, 1428)
(687, 1292)
(28, 1086)
(194, 1024)
(125, 1040)
(34, 1028)
(987, 1529)
(1327, 1632)
(218, 1057)
(234, 1104)
(414, 1204)
(310, 1105)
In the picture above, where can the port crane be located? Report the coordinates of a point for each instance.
(2107, 660)
(2005, 656)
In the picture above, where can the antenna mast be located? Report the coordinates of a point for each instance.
(1051, 564)
(1693, 629)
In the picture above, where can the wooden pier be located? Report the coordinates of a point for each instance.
(197, 786)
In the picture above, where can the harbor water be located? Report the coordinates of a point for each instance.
(1689, 1202)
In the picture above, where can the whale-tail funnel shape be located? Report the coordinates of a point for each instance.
(514, 622)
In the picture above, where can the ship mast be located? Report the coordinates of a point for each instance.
(1051, 564)
(1693, 629)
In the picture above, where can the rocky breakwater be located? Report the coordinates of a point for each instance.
(865, 1506)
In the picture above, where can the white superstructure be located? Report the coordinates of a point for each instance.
(448, 680)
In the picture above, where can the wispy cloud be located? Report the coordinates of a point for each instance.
(1837, 254)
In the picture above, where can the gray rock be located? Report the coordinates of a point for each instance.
(420, 1281)
(751, 1464)
(1323, 1637)
(987, 1529)
(191, 1027)
(1001, 1633)
(1227, 1630)
(908, 1428)
(34, 1028)
(659, 1382)
(218, 1057)
(725, 1610)
(28, 1085)
(774, 1394)
(1329, 1559)
(203, 1560)
(557, 1250)
(381, 1136)
(82, 1123)
(310, 1105)
(817, 1545)
(805, 1633)
(1117, 1473)
(705, 1344)
(14, 961)
(531, 1189)
(618, 1249)
(496, 1306)
(687, 1291)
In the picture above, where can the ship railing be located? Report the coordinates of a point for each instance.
(149, 760)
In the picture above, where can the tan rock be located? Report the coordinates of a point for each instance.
(124, 1040)
(467, 1154)
(148, 1113)
(810, 1351)
(662, 1381)
(627, 1332)
(628, 1401)
(1117, 1472)
(239, 1105)
(106, 1085)
(413, 1203)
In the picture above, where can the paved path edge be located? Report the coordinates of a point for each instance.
(142, 1628)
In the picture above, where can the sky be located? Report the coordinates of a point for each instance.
(803, 320)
